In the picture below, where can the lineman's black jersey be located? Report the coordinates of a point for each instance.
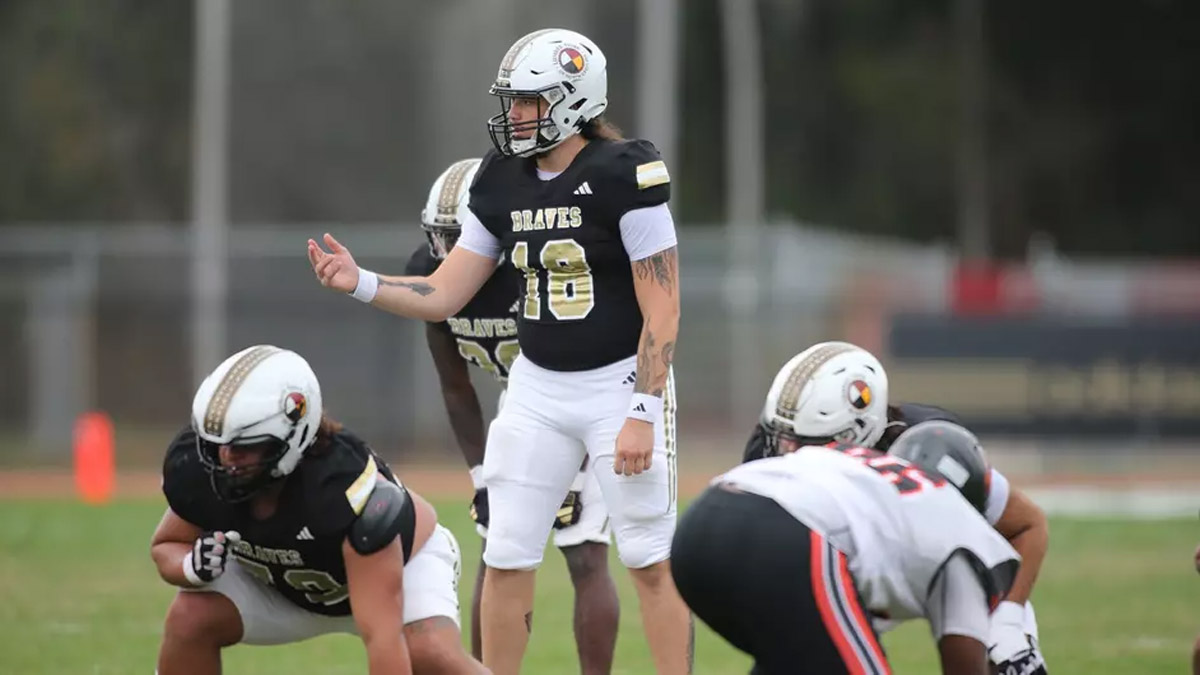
(486, 328)
(900, 417)
(298, 550)
(578, 310)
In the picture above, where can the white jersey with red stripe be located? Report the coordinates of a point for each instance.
(896, 525)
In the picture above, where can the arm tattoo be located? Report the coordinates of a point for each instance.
(661, 266)
(418, 287)
(653, 365)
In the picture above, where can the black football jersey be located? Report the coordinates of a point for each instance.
(486, 328)
(298, 550)
(900, 417)
(577, 307)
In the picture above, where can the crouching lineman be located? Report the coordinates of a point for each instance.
(790, 558)
(278, 522)
(484, 334)
(836, 391)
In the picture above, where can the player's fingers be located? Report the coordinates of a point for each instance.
(314, 253)
(647, 459)
(639, 465)
(333, 244)
(233, 536)
(322, 268)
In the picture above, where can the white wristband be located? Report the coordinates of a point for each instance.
(477, 476)
(189, 572)
(368, 285)
(645, 407)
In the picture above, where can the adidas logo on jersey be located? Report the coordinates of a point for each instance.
(305, 534)
(583, 189)
(630, 378)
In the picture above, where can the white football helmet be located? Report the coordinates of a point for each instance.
(561, 66)
(830, 392)
(446, 207)
(262, 394)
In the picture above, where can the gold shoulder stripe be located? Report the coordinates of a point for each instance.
(218, 406)
(360, 490)
(789, 396)
(651, 174)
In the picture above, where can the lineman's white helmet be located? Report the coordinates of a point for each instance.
(832, 391)
(561, 66)
(260, 394)
(446, 207)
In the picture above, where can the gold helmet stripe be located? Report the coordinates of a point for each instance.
(789, 396)
(218, 406)
(447, 206)
(506, 65)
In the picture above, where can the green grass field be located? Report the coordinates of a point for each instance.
(80, 596)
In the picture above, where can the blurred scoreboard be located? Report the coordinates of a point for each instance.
(1048, 375)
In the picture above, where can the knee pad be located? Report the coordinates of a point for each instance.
(642, 547)
(511, 553)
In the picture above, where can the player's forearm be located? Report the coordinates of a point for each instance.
(387, 654)
(466, 419)
(413, 297)
(168, 557)
(656, 352)
(1032, 544)
(656, 283)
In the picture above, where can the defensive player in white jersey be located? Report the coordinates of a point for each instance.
(791, 558)
(484, 334)
(582, 214)
(836, 391)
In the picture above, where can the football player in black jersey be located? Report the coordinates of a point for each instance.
(484, 334)
(583, 216)
(836, 391)
(279, 522)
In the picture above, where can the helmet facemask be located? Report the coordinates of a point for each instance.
(545, 132)
(442, 237)
(235, 484)
(782, 440)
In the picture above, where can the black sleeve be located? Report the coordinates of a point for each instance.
(421, 263)
(482, 200)
(756, 447)
(187, 485)
(635, 178)
(340, 481)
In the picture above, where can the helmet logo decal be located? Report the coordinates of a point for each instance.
(571, 60)
(789, 396)
(859, 394)
(295, 406)
(218, 406)
(452, 183)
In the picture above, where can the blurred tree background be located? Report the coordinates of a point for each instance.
(1092, 114)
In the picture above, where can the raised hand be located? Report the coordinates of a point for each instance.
(335, 269)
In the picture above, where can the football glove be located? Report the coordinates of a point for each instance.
(1010, 648)
(208, 557)
(479, 507)
(570, 511)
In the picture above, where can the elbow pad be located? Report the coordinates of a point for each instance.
(389, 513)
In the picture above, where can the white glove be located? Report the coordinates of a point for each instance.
(1010, 648)
(206, 561)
